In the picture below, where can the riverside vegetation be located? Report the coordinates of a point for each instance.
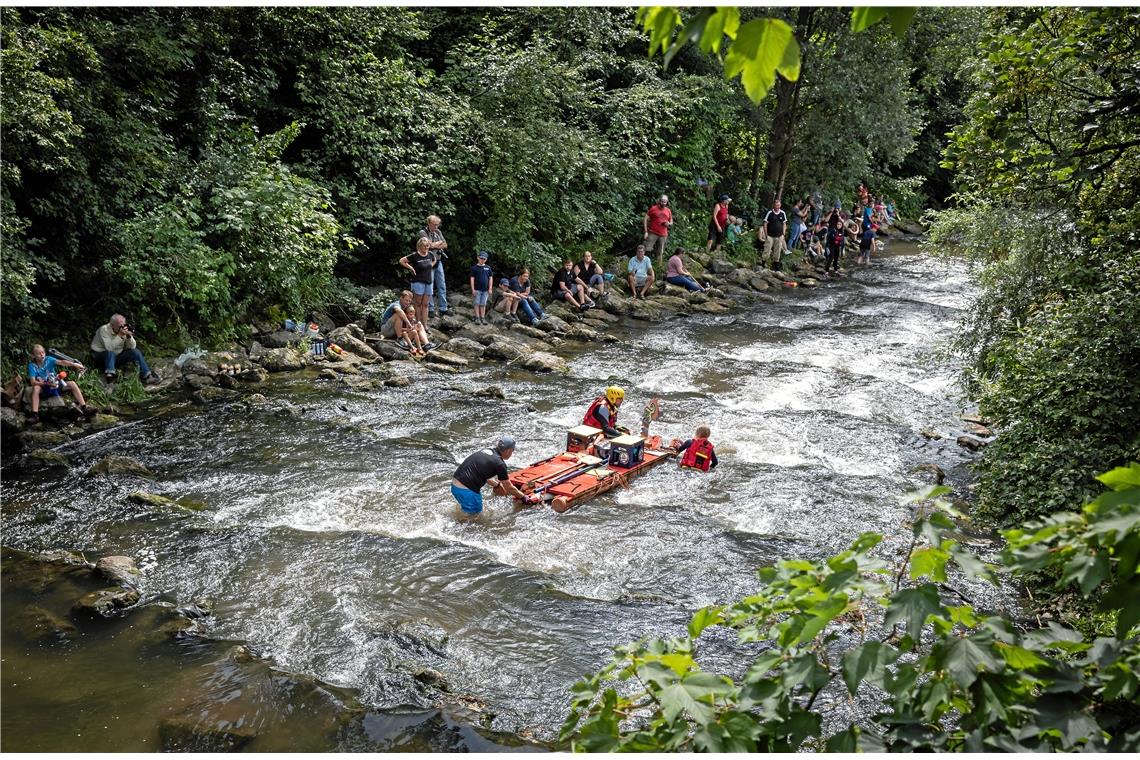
(202, 168)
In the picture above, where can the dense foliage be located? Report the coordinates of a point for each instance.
(946, 675)
(1048, 161)
(194, 167)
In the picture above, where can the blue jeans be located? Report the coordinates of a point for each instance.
(440, 290)
(110, 362)
(796, 231)
(531, 308)
(683, 281)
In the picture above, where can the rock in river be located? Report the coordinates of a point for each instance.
(117, 465)
(119, 569)
(105, 602)
(542, 361)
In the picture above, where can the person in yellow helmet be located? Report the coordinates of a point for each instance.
(603, 411)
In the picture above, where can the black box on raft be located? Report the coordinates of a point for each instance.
(626, 450)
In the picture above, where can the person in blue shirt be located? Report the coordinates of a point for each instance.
(43, 373)
(517, 289)
(641, 276)
(867, 244)
(481, 278)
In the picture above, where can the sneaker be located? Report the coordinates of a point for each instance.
(152, 379)
(534, 323)
(88, 410)
(429, 346)
(32, 419)
(109, 377)
(403, 343)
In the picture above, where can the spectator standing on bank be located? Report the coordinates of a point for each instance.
(771, 232)
(655, 224)
(438, 247)
(718, 222)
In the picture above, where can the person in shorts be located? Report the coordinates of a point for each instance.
(488, 466)
(481, 278)
(567, 287)
(422, 265)
(718, 222)
(655, 226)
(591, 275)
(399, 323)
(641, 275)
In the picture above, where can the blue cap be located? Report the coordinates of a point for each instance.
(505, 443)
(483, 254)
(838, 204)
(504, 281)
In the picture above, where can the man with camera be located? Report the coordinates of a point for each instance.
(437, 246)
(114, 345)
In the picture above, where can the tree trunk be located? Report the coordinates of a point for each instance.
(779, 154)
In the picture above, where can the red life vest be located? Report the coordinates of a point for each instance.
(699, 455)
(589, 418)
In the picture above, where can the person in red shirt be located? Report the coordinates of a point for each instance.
(656, 223)
(718, 222)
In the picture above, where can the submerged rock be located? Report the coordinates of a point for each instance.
(491, 391)
(151, 499)
(189, 733)
(47, 458)
(119, 465)
(11, 422)
(105, 602)
(971, 443)
(40, 625)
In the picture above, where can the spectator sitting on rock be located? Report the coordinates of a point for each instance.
(567, 287)
(520, 287)
(640, 274)
(591, 275)
(676, 273)
(398, 323)
(46, 382)
(114, 345)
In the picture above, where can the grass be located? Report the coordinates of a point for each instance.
(127, 389)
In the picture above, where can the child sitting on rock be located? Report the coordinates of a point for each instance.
(47, 381)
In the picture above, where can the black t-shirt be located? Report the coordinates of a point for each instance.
(483, 276)
(585, 272)
(480, 467)
(834, 221)
(423, 266)
(562, 276)
(776, 221)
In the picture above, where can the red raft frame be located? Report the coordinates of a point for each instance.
(574, 476)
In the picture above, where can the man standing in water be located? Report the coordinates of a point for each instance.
(479, 469)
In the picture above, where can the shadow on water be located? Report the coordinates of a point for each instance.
(328, 546)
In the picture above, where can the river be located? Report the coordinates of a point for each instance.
(328, 545)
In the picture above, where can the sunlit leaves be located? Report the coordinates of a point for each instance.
(911, 607)
(900, 18)
(762, 48)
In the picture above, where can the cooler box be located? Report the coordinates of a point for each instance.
(626, 450)
(579, 438)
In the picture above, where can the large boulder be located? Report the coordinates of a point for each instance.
(280, 339)
(11, 422)
(213, 394)
(583, 333)
(440, 356)
(118, 465)
(721, 266)
(388, 350)
(479, 333)
(531, 332)
(615, 305)
(559, 310)
(47, 458)
(674, 303)
(465, 347)
(325, 323)
(119, 570)
(554, 324)
(279, 359)
(344, 338)
(105, 602)
(648, 311)
(756, 282)
(38, 439)
(507, 350)
(710, 307)
(601, 315)
(452, 322)
(543, 361)
(252, 375)
(697, 296)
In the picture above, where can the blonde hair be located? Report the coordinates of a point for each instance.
(407, 293)
(422, 243)
(703, 431)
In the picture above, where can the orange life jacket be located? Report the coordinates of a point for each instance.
(589, 418)
(699, 455)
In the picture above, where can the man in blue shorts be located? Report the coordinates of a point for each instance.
(479, 469)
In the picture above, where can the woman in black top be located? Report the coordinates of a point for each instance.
(422, 264)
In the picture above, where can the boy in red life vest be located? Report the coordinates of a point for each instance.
(602, 413)
(697, 453)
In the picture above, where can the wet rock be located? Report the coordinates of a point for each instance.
(541, 361)
(614, 305)
(328, 374)
(697, 296)
(580, 332)
(344, 338)
(280, 339)
(673, 303)
(198, 608)
(11, 422)
(971, 443)
(103, 422)
(933, 473)
(721, 266)
(931, 435)
(530, 332)
(119, 569)
(648, 311)
(278, 359)
(397, 381)
(36, 439)
(504, 349)
(105, 602)
(553, 323)
(251, 375)
(440, 356)
(40, 625)
(204, 396)
(388, 350)
(197, 382)
(465, 347)
(979, 430)
(151, 499)
(975, 418)
(809, 282)
(477, 333)
(189, 733)
(47, 458)
(711, 307)
(601, 315)
(119, 465)
(758, 283)
(491, 391)
(432, 678)
(559, 310)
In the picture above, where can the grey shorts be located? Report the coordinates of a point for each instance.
(388, 329)
(480, 297)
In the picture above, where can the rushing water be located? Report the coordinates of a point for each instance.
(329, 544)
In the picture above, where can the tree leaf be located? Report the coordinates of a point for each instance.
(692, 695)
(704, 618)
(1122, 478)
(929, 562)
(725, 22)
(868, 661)
(659, 21)
(861, 18)
(964, 657)
(911, 606)
(762, 48)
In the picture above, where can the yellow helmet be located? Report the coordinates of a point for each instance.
(614, 395)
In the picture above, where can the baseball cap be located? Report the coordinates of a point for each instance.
(838, 204)
(483, 254)
(504, 281)
(725, 197)
(505, 442)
